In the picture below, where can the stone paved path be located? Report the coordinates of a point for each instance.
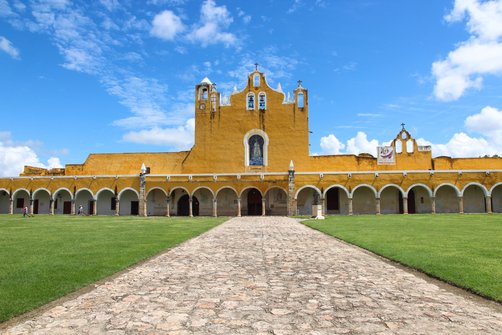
(266, 276)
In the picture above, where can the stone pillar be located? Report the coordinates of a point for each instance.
(31, 206)
(377, 209)
(11, 206)
(239, 206)
(433, 205)
(168, 206)
(263, 207)
(324, 206)
(190, 210)
(291, 190)
(142, 186)
(405, 205)
(94, 207)
(488, 202)
(51, 204)
(215, 207)
(117, 207)
(461, 204)
(350, 207)
(73, 207)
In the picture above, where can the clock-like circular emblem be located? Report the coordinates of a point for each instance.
(202, 106)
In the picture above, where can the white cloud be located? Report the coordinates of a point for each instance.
(358, 144)
(180, 138)
(331, 145)
(14, 156)
(481, 55)
(166, 25)
(214, 20)
(7, 47)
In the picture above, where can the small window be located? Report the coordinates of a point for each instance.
(113, 205)
(203, 93)
(256, 80)
(399, 147)
(262, 101)
(255, 144)
(301, 102)
(19, 202)
(410, 148)
(250, 102)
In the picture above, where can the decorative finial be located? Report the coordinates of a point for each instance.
(291, 166)
(256, 66)
(143, 168)
(402, 125)
(299, 83)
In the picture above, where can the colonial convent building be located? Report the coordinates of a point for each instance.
(251, 157)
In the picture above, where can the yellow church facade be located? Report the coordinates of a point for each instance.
(251, 157)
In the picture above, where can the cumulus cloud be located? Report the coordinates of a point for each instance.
(331, 145)
(166, 25)
(7, 47)
(14, 156)
(211, 29)
(181, 137)
(480, 55)
(358, 144)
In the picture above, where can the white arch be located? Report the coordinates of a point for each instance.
(19, 190)
(85, 189)
(179, 187)
(494, 186)
(202, 188)
(229, 187)
(6, 190)
(62, 189)
(250, 187)
(265, 145)
(104, 189)
(363, 185)
(429, 191)
(127, 189)
(271, 188)
(446, 184)
(41, 189)
(156, 188)
(307, 186)
(334, 186)
(379, 193)
(485, 191)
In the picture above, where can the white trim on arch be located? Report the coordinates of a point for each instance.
(178, 187)
(277, 187)
(202, 188)
(336, 186)
(85, 189)
(6, 190)
(485, 191)
(363, 185)
(446, 184)
(228, 187)
(156, 188)
(494, 186)
(62, 189)
(20, 189)
(265, 145)
(427, 188)
(104, 189)
(248, 188)
(403, 192)
(119, 195)
(41, 189)
(307, 186)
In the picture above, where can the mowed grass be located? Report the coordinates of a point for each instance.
(45, 257)
(465, 250)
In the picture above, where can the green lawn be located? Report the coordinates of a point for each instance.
(465, 250)
(45, 257)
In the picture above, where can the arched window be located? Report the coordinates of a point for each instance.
(262, 101)
(301, 101)
(203, 93)
(256, 80)
(255, 144)
(250, 102)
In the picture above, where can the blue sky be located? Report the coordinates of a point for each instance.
(118, 76)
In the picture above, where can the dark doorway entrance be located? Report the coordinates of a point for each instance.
(35, 206)
(134, 207)
(411, 202)
(183, 208)
(333, 199)
(67, 207)
(254, 202)
(400, 202)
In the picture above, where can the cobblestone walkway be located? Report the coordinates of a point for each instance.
(266, 276)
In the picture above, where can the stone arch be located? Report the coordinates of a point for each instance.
(446, 196)
(266, 141)
(62, 198)
(391, 199)
(4, 201)
(306, 197)
(364, 199)
(276, 201)
(251, 201)
(41, 201)
(474, 198)
(62, 189)
(205, 197)
(21, 199)
(106, 201)
(85, 197)
(227, 198)
(419, 199)
(128, 201)
(156, 202)
(175, 195)
(336, 202)
(496, 193)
